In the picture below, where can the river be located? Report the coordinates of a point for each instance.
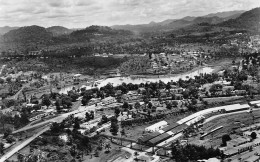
(119, 80)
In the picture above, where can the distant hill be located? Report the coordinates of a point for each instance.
(97, 31)
(36, 37)
(33, 34)
(174, 24)
(226, 14)
(6, 29)
(209, 20)
(59, 30)
(249, 20)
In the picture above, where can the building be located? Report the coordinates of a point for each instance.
(175, 89)
(93, 101)
(64, 137)
(233, 108)
(131, 97)
(40, 115)
(156, 127)
(154, 65)
(108, 100)
(35, 53)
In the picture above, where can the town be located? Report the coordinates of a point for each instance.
(149, 92)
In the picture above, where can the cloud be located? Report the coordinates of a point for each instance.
(82, 13)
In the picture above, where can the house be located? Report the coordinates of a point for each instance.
(175, 89)
(93, 101)
(39, 115)
(118, 92)
(225, 88)
(35, 52)
(239, 92)
(108, 100)
(64, 137)
(131, 97)
(141, 90)
(157, 126)
(105, 55)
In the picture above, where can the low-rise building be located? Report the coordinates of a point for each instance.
(108, 100)
(93, 101)
(39, 115)
(157, 126)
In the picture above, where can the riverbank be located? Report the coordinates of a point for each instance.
(213, 67)
(168, 75)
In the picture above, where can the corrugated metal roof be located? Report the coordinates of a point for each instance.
(159, 139)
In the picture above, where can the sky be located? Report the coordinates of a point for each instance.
(83, 13)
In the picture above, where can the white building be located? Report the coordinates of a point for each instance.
(157, 126)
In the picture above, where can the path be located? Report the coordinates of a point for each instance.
(222, 115)
(47, 127)
(57, 119)
(22, 145)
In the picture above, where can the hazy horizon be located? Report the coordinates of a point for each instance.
(80, 13)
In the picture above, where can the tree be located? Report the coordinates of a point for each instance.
(104, 119)
(194, 101)
(225, 138)
(10, 139)
(174, 103)
(114, 128)
(117, 111)
(108, 147)
(137, 105)
(92, 114)
(1, 148)
(169, 106)
(24, 118)
(76, 125)
(2, 81)
(253, 135)
(58, 104)
(149, 105)
(136, 155)
(3, 119)
(66, 101)
(125, 105)
(46, 101)
(7, 132)
(8, 79)
(55, 128)
(122, 132)
(74, 96)
(87, 116)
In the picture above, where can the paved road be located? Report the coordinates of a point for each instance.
(58, 119)
(81, 109)
(22, 145)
